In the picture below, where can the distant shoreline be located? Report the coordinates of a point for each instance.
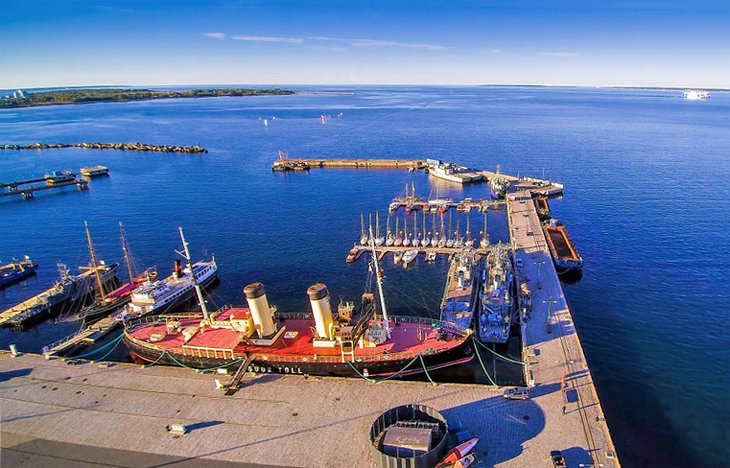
(93, 95)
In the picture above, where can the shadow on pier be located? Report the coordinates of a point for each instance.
(502, 426)
(8, 375)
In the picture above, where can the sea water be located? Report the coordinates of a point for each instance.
(646, 179)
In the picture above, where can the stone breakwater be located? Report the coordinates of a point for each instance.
(111, 146)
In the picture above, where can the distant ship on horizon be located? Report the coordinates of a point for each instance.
(695, 95)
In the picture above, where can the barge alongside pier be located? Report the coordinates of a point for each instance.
(565, 255)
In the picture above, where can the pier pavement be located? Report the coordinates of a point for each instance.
(57, 414)
(556, 363)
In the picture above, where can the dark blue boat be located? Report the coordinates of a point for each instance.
(462, 283)
(16, 271)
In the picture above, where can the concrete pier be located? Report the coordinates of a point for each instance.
(367, 163)
(55, 414)
(551, 347)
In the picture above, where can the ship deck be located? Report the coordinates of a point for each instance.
(405, 339)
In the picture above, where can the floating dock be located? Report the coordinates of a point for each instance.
(383, 250)
(27, 188)
(556, 365)
(464, 205)
(266, 422)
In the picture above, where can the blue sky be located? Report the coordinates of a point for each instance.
(563, 42)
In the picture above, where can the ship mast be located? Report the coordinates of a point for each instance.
(379, 278)
(415, 225)
(125, 249)
(99, 283)
(198, 291)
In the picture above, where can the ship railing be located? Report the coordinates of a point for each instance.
(182, 315)
(134, 323)
(202, 351)
(414, 319)
(339, 359)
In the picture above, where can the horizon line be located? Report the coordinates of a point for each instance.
(462, 85)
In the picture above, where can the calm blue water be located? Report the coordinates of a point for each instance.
(646, 202)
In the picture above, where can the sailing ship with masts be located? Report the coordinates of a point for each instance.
(105, 302)
(65, 296)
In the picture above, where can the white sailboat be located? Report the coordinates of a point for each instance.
(406, 239)
(484, 243)
(363, 236)
(409, 256)
(398, 239)
(397, 256)
(379, 240)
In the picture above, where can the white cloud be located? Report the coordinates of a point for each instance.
(292, 40)
(561, 54)
(215, 35)
(378, 43)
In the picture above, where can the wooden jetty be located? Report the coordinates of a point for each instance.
(464, 205)
(551, 347)
(383, 250)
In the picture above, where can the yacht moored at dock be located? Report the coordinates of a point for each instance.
(16, 271)
(156, 297)
(498, 185)
(56, 177)
(452, 172)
